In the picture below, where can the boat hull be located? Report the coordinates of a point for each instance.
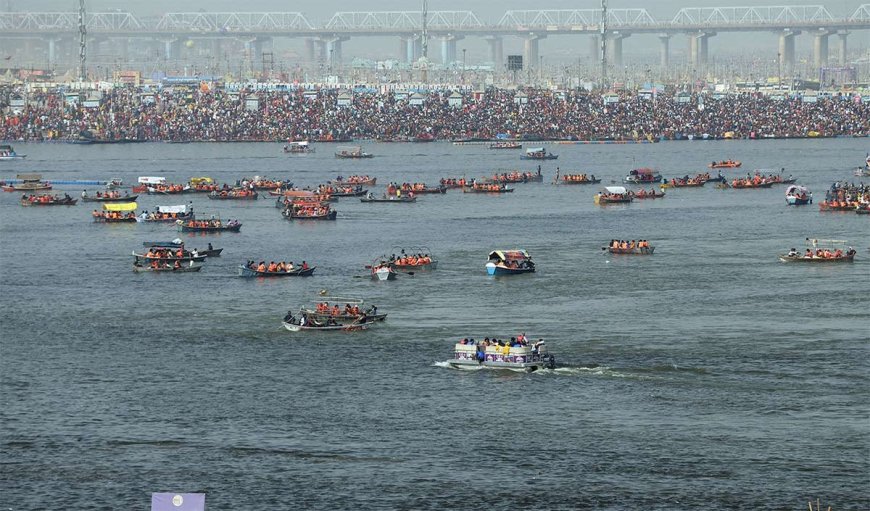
(820, 260)
(229, 228)
(392, 200)
(244, 271)
(493, 269)
(183, 269)
(422, 267)
(797, 201)
(128, 198)
(632, 251)
(333, 328)
(70, 202)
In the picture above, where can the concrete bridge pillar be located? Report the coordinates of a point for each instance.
(124, 49)
(699, 48)
(595, 48)
(530, 50)
(820, 48)
(496, 51)
(448, 48)
(333, 48)
(171, 48)
(319, 50)
(786, 49)
(843, 47)
(52, 51)
(614, 47)
(309, 49)
(664, 50)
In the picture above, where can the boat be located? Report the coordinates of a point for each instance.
(342, 311)
(143, 182)
(821, 251)
(202, 185)
(318, 326)
(641, 247)
(453, 182)
(755, 182)
(538, 153)
(234, 194)
(509, 262)
(138, 268)
(178, 243)
(613, 195)
(29, 183)
(643, 176)
(688, 182)
(343, 191)
(353, 181)
(422, 137)
(300, 147)
(167, 189)
(309, 212)
(515, 177)
(486, 188)
(421, 189)
(313, 200)
(863, 209)
(47, 200)
(167, 254)
(519, 355)
(725, 164)
(576, 179)
(116, 212)
(382, 270)
(796, 195)
(351, 152)
(7, 153)
(114, 183)
(245, 271)
(292, 193)
(644, 194)
(167, 214)
(213, 225)
(413, 259)
(389, 198)
(109, 196)
(506, 145)
(262, 183)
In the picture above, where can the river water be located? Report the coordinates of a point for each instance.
(708, 376)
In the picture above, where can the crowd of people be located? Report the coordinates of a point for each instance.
(628, 245)
(175, 114)
(273, 267)
(846, 196)
(47, 199)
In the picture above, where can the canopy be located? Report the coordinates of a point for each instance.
(302, 143)
(172, 209)
(535, 150)
(348, 149)
(120, 206)
(642, 172)
(795, 188)
(615, 189)
(29, 177)
(198, 180)
(145, 180)
(509, 255)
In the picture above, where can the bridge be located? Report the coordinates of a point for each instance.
(699, 24)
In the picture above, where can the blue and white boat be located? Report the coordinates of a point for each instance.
(509, 262)
(797, 195)
(8, 154)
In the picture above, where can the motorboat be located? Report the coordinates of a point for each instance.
(523, 356)
(796, 195)
(613, 195)
(821, 251)
(643, 176)
(7, 153)
(509, 262)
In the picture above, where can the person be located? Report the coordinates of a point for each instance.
(304, 265)
(792, 253)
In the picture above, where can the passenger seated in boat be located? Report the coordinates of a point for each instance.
(792, 253)
(335, 310)
(261, 267)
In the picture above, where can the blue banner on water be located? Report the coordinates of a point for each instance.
(178, 502)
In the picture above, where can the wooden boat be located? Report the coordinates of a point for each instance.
(726, 164)
(822, 252)
(687, 183)
(425, 191)
(509, 262)
(7, 153)
(366, 314)
(292, 193)
(300, 147)
(301, 214)
(50, 201)
(796, 195)
(409, 260)
(577, 179)
(171, 269)
(202, 185)
(176, 244)
(613, 195)
(749, 184)
(167, 189)
(144, 182)
(642, 176)
(268, 184)
(630, 251)
(244, 271)
(353, 181)
(643, 194)
(515, 177)
(538, 153)
(486, 188)
(836, 206)
(452, 182)
(506, 145)
(863, 210)
(389, 199)
(116, 212)
(108, 198)
(164, 217)
(190, 226)
(527, 358)
(345, 192)
(30, 183)
(351, 152)
(233, 195)
(184, 259)
(350, 327)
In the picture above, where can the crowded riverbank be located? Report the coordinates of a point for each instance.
(185, 114)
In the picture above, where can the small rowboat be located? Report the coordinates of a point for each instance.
(53, 202)
(427, 190)
(506, 145)
(351, 327)
(214, 252)
(289, 214)
(486, 189)
(573, 179)
(167, 219)
(646, 195)
(182, 269)
(359, 192)
(415, 267)
(354, 181)
(186, 259)
(393, 199)
(687, 184)
(184, 227)
(232, 195)
(631, 251)
(538, 153)
(244, 271)
(729, 164)
(763, 184)
(845, 258)
(126, 198)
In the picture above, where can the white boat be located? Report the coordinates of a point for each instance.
(8, 154)
(517, 358)
(383, 273)
(797, 195)
(302, 147)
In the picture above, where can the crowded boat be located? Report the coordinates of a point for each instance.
(687, 182)
(165, 265)
(420, 188)
(116, 212)
(298, 147)
(413, 259)
(725, 164)
(515, 176)
(613, 195)
(506, 145)
(390, 198)
(633, 247)
(168, 214)
(343, 311)
(351, 152)
(821, 251)
(538, 153)
(453, 182)
(341, 190)
(516, 354)
(381, 269)
(108, 196)
(234, 194)
(275, 269)
(487, 188)
(509, 262)
(204, 185)
(8, 153)
(171, 254)
(309, 211)
(643, 176)
(47, 200)
(575, 179)
(211, 225)
(796, 195)
(354, 180)
(645, 194)
(845, 197)
(167, 189)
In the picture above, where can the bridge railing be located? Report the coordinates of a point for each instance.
(574, 17)
(69, 21)
(752, 15)
(233, 22)
(861, 14)
(403, 20)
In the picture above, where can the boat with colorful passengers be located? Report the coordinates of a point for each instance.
(517, 354)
